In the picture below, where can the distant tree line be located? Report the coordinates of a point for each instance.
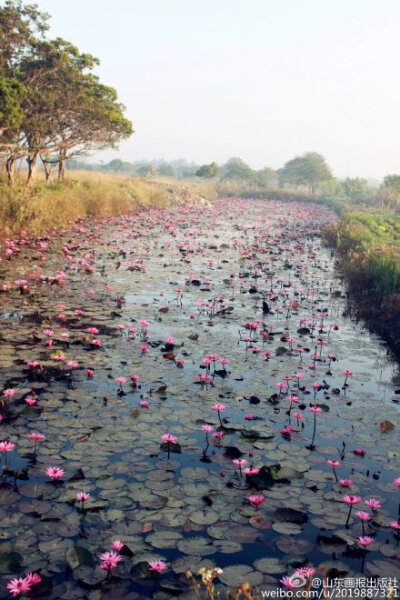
(308, 174)
(180, 169)
(52, 106)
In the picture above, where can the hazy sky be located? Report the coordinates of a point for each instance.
(261, 79)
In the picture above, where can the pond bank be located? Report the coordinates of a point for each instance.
(368, 251)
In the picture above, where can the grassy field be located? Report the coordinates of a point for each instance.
(44, 207)
(369, 253)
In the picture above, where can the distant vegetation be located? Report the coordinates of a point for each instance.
(303, 177)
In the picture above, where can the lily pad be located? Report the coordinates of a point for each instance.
(290, 515)
(235, 575)
(10, 562)
(164, 539)
(270, 565)
(78, 557)
(290, 545)
(197, 546)
(204, 517)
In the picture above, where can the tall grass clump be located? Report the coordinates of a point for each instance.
(368, 247)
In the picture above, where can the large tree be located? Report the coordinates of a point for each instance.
(70, 111)
(20, 27)
(308, 170)
(61, 108)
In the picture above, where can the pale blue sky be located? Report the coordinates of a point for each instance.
(261, 79)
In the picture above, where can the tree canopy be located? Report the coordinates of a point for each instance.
(236, 168)
(208, 171)
(356, 189)
(308, 170)
(52, 105)
(392, 181)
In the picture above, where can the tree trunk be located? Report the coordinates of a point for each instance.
(47, 170)
(32, 164)
(61, 164)
(10, 170)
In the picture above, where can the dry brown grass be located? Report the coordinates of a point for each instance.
(43, 207)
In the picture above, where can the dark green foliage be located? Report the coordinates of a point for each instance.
(208, 171)
(369, 251)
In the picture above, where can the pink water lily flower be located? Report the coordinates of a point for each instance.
(351, 501)
(256, 500)
(117, 545)
(33, 578)
(207, 428)
(240, 462)
(158, 566)
(365, 541)
(109, 561)
(373, 503)
(346, 482)
(82, 496)
(55, 473)
(110, 557)
(6, 446)
(36, 437)
(169, 438)
(73, 364)
(251, 471)
(92, 330)
(363, 515)
(30, 401)
(289, 583)
(287, 431)
(18, 586)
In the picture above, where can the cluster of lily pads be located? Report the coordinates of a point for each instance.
(193, 391)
